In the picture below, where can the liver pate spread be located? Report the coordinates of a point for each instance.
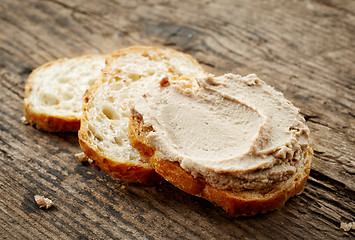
(235, 132)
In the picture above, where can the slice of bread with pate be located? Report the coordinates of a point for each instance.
(232, 140)
(104, 125)
(54, 92)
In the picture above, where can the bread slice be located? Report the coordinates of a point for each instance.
(54, 92)
(248, 200)
(103, 131)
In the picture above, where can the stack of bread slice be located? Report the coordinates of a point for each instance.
(155, 114)
(104, 125)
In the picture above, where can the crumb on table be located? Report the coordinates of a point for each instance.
(43, 202)
(81, 157)
(347, 226)
(24, 120)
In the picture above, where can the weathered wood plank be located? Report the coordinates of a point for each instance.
(305, 49)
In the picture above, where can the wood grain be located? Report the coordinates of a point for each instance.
(306, 49)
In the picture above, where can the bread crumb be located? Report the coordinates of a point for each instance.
(123, 187)
(43, 202)
(81, 157)
(24, 120)
(347, 226)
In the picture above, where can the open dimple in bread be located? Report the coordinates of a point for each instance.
(54, 92)
(103, 132)
(233, 140)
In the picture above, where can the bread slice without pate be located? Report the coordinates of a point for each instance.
(54, 92)
(103, 131)
(197, 137)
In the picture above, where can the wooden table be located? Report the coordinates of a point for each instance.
(306, 49)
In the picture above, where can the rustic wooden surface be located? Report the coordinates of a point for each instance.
(305, 49)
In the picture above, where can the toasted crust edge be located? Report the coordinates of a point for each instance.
(121, 171)
(234, 203)
(140, 49)
(43, 121)
(48, 123)
(243, 203)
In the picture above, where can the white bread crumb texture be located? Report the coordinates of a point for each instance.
(107, 120)
(57, 88)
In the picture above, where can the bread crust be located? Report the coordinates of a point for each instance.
(145, 49)
(46, 121)
(49, 123)
(241, 203)
(130, 173)
(142, 173)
